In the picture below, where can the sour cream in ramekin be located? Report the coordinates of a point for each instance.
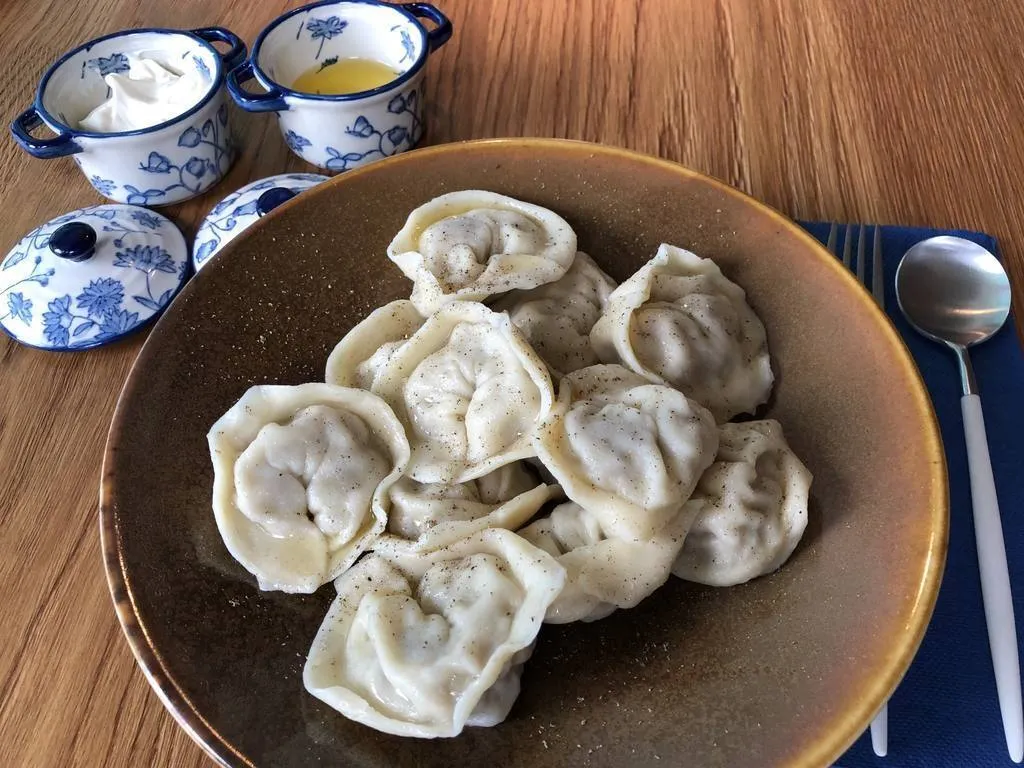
(151, 91)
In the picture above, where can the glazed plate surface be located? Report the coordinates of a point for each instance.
(784, 671)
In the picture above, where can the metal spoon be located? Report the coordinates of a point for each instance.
(955, 292)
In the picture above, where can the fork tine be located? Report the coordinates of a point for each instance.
(832, 232)
(847, 245)
(860, 256)
(877, 279)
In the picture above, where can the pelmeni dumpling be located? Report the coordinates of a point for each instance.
(750, 508)
(470, 392)
(362, 352)
(426, 516)
(678, 320)
(301, 476)
(602, 572)
(412, 645)
(468, 245)
(625, 449)
(557, 317)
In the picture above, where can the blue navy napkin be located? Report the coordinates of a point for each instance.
(945, 713)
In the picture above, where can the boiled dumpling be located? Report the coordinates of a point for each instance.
(679, 321)
(602, 572)
(412, 645)
(468, 245)
(498, 700)
(425, 516)
(557, 317)
(750, 508)
(470, 391)
(625, 449)
(301, 476)
(362, 352)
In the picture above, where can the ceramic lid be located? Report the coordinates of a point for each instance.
(243, 208)
(90, 277)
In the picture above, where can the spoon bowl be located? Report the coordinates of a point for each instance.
(953, 290)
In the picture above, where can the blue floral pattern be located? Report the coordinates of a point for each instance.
(383, 143)
(102, 306)
(101, 297)
(105, 187)
(106, 65)
(57, 321)
(148, 259)
(188, 175)
(147, 220)
(222, 223)
(193, 176)
(407, 43)
(323, 30)
(296, 143)
(19, 307)
(117, 323)
(145, 258)
(201, 66)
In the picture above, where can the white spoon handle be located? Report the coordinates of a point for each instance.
(995, 578)
(880, 732)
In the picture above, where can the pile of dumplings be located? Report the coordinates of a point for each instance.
(519, 442)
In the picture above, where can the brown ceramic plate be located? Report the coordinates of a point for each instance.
(787, 670)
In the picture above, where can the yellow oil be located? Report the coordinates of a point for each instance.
(344, 76)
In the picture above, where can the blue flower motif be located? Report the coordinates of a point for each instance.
(339, 162)
(57, 321)
(156, 163)
(295, 142)
(196, 166)
(397, 135)
(147, 220)
(142, 197)
(20, 307)
(105, 213)
(183, 270)
(201, 66)
(407, 44)
(246, 209)
(397, 104)
(105, 187)
(203, 251)
(226, 203)
(116, 62)
(325, 29)
(361, 128)
(16, 257)
(101, 297)
(117, 323)
(190, 137)
(145, 258)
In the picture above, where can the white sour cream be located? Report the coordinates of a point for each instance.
(149, 93)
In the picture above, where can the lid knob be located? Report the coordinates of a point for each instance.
(272, 198)
(74, 241)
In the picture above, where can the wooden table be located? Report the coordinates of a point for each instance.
(906, 111)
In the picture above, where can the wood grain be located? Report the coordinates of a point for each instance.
(899, 112)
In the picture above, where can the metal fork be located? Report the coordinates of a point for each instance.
(880, 725)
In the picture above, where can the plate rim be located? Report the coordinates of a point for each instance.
(829, 746)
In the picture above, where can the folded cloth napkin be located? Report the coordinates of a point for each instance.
(945, 711)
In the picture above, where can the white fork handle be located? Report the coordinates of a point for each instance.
(995, 578)
(880, 732)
